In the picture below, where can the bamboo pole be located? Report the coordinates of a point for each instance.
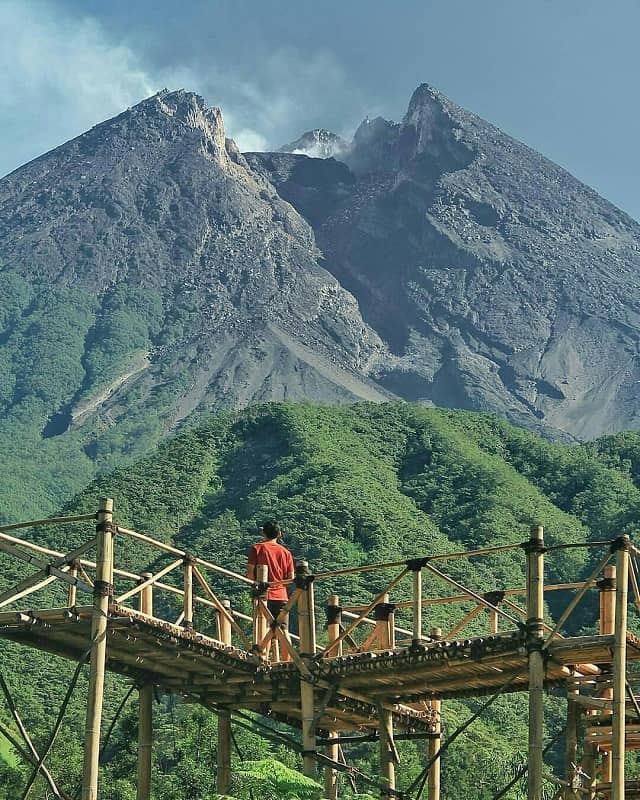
(306, 621)
(334, 618)
(168, 548)
(465, 621)
(535, 613)
(101, 593)
(387, 751)
(619, 668)
(51, 521)
(384, 629)
(417, 604)
(260, 624)
(187, 567)
(145, 706)
(221, 608)
(223, 755)
(607, 596)
(345, 633)
(578, 597)
(148, 581)
(224, 623)
(484, 551)
(494, 620)
(479, 598)
(72, 591)
(433, 747)
(571, 738)
(332, 749)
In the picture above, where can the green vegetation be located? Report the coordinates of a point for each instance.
(350, 485)
(60, 349)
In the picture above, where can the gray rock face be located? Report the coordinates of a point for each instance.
(497, 280)
(318, 143)
(158, 199)
(434, 259)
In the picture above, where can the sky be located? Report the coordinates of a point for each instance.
(560, 75)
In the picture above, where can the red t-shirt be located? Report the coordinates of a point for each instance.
(279, 562)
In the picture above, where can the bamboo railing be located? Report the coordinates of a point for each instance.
(174, 584)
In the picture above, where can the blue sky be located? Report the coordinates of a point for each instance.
(561, 75)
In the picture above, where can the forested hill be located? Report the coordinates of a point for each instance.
(372, 481)
(352, 484)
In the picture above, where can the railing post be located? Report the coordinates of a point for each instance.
(224, 624)
(385, 628)
(145, 708)
(416, 565)
(187, 567)
(334, 619)
(433, 791)
(621, 549)
(260, 625)
(102, 592)
(306, 622)
(334, 616)
(535, 638)
(72, 591)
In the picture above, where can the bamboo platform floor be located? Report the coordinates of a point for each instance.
(348, 688)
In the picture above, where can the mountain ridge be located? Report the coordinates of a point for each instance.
(438, 261)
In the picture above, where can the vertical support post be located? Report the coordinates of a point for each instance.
(334, 617)
(332, 751)
(187, 568)
(435, 743)
(224, 625)
(385, 627)
(223, 775)
(621, 548)
(145, 709)
(571, 739)
(493, 622)
(306, 622)
(387, 763)
(607, 590)
(260, 626)
(416, 568)
(535, 614)
(102, 592)
(72, 591)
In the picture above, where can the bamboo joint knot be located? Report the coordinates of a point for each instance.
(416, 564)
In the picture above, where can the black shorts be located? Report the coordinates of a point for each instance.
(275, 607)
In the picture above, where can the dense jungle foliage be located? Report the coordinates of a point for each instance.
(350, 485)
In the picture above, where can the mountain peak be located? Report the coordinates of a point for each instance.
(316, 143)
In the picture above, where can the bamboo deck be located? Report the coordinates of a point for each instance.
(369, 681)
(204, 670)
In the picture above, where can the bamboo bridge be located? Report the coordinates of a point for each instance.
(362, 677)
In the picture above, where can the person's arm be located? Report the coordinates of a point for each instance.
(252, 560)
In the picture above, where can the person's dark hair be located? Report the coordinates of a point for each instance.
(271, 529)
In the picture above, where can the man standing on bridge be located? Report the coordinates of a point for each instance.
(279, 562)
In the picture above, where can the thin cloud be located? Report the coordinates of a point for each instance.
(63, 73)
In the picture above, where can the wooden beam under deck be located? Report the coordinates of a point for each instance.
(206, 671)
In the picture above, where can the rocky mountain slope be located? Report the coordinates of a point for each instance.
(498, 281)
(150, 272)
